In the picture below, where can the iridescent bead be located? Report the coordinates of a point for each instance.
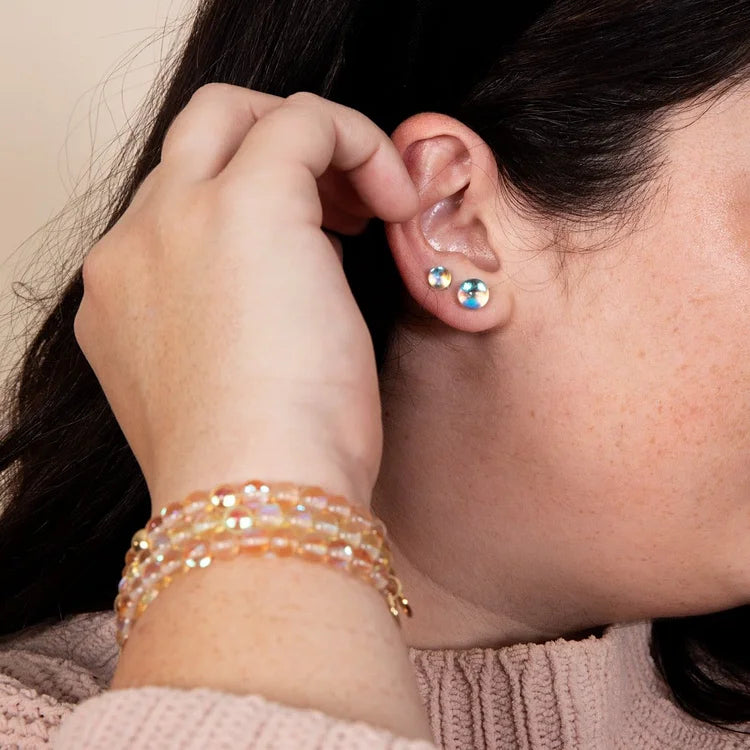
(238, 518)
(339, 505)
(340, 554)
(380, 577)
(255, 489)
(351, 530)
(254, 540)
(124, 606)
(153, 524)
(159, 542)
(179, 533)
(129, 555)
(204, 525)
(224, 496)
(197, 555)
(313, 547)
(361, 563)
(151, 573)
(283, 542)
(123, 585)
(123, 628)
(371, 544)
(139, 540)
(224, 544)
(171, 562)
(326, 523)
(148, 596)
(286, 494)
(196, 504)
(171, 513)
(314, 497)
(269, 515)
(301, 518)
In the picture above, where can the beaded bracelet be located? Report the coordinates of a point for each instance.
(268, 519)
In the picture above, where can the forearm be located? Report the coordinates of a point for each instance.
(296, 632)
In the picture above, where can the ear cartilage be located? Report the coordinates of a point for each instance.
(439, 277)
(473, 293)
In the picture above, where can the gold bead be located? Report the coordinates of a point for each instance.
(139, 540)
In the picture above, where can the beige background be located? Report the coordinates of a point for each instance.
(70, 76)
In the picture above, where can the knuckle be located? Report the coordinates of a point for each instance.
(213, 91)
(304, 97)
(91, 268)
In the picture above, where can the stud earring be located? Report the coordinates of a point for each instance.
(473, 293)
(439, 277)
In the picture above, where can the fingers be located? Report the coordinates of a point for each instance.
(208, 131)
(317, 133)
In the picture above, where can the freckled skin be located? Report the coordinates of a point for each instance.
(591, 464)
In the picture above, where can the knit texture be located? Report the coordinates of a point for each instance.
(595, 694)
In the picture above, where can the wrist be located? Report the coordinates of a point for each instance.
(186, 471)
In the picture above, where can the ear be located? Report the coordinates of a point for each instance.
(457, 225)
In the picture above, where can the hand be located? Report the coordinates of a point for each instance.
(216, 314)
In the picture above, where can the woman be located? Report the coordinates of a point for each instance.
(550, 257)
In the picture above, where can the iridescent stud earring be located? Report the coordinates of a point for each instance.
(472, 294)
(439, 277)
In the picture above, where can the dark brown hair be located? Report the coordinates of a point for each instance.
(569, 95)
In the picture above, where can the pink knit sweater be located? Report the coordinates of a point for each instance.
(595, 694)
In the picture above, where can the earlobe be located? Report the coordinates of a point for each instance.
(444, 253)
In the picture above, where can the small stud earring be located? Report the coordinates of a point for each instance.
(473, 293)
(439, 277)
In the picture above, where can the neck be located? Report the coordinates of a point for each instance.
(465, 570)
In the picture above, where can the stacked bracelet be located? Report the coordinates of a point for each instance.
(274, 519)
